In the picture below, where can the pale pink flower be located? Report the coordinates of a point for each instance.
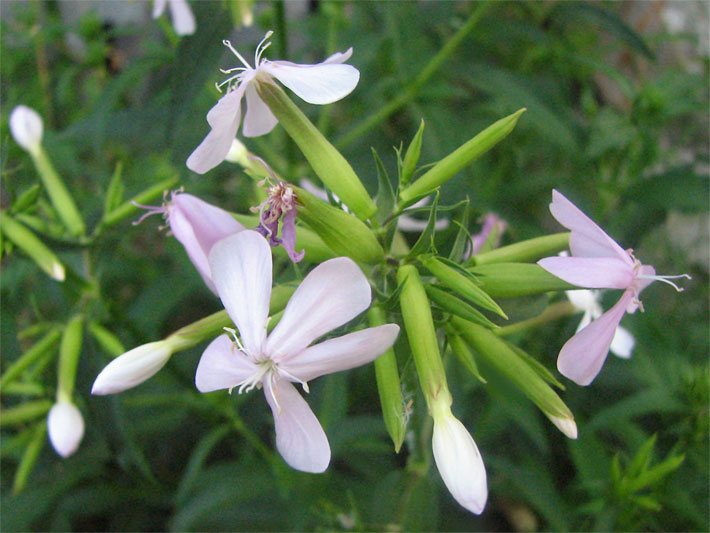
(65, 426)
(491, 233)
(333, 293)
(180, 12)
(597, 262)
(322, 83)
(198, 225)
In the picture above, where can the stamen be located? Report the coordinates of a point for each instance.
(230, 70)
(226, 43)
(304, 384)
(666, 280)
(261, 47)
(152, 210)
(233, 333)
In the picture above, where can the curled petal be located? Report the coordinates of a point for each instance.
(339, 57)
(222, 366)
(460, 463)
(223, 118)
(341, 353)
(241, 271)
(65, 426)
(288, 236)
(259, 119)
(582, 357)
(323, 83)
(333, 293)
(592, 272)
(300, 438)
(587, 239)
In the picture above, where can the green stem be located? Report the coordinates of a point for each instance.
(412, 89)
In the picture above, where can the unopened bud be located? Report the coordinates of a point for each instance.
(66, 428)
(132, 368)
(26, 127)
(459, 462)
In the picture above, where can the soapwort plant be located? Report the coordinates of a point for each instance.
(318, 277)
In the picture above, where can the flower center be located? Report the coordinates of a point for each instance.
(163, 209)
(235, 80)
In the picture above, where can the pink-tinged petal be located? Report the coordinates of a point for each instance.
(586, 320)
(288, 236)
(460, 463)
(259, 119)
(339, 57)
(224, 119)
(590, 272)
(341, 353)
(198, 226)
(183, 18)
(582, 357)
(623, 343)
(241, 272)
(159, 7)
(645, 270)
(333, 293)
(222, 366)
(587, 239)
(316, 84)
(300, 438)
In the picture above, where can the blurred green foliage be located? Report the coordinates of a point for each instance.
(614, 121)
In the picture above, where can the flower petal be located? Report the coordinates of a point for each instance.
(222, 366)
(259, 119)
(591, 272)
(288, 237)
(341, 353)
(623, 343)
(300, 438)
(324, 83)
(224, 120)
(183, 19)
(198, 226)
(333, 293)
(159, 7)
(460, 463)
(241, 272)
(587, 239)
(582, 357)
(339, 57)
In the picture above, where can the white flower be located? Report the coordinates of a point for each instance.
(132, 368)
(322, 83)
(26, 127)
(183, 19)
(587, 301)
(333, 293)
(459, 461)
(66, 427)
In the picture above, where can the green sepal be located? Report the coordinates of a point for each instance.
(510, 280)
(115, 190)
(344, 233)
(27, 199)
(460, 283)
(425, 242)
(524, 251)
(411, 157)
(464, 355)
(454, 305)
(463, 237)
(24, 239)
(31, 356)
(29, 458)
(107, 340)
(69, 352)
(25, 412)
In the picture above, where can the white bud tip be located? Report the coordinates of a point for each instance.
(65, 426)
(26, 127)
(58, 272)
(565, 425)
(132, 368)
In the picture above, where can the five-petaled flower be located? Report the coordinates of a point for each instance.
(597, 262)
(332, 294)
(322, 83)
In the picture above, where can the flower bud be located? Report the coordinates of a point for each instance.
(26, 128)
(66, 427)
(458, 460)
(447, 168)
(511, 280)
(238, 154)
(24, 239)
(524, 251)
(133, 368)
(341, 231)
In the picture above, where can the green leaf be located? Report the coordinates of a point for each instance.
(465, 356)
(385, 198)
(29, 458)
(463, 237)
(452, 304)
(411, 157)
(114, 193)
(538, 367)
(425, 242)
(27, 199)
